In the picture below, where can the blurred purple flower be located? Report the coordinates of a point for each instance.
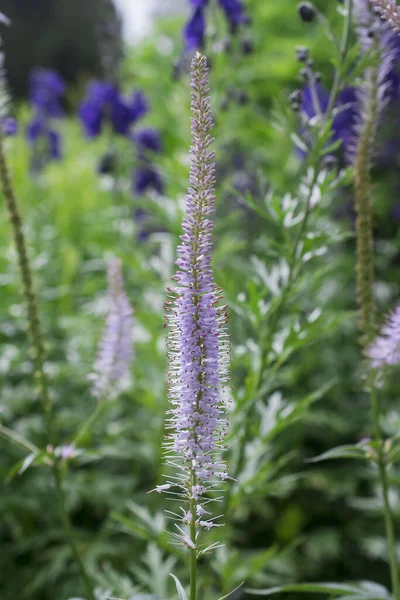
(344, 111)
(195, 28)
(40, 130)
(385, 349)
(104, 103)
(148, 138)
(147, 177)
(115, 350)
(234, 11)
(9, 126)
(46, 88)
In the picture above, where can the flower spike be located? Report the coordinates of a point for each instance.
(115, 349)
(198, 345)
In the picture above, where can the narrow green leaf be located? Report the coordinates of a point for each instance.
(181, 592)
(232, 592)
(335, 589)
(354, 451)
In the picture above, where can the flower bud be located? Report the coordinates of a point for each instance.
(307, 12)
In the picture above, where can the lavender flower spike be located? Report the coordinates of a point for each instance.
(115, 349)
(198, 345)
(385, 349)
(389, 11)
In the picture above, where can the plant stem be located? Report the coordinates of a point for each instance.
(193, 555)
(89, 422)
(365, 292)
(344, 48)
(37, 343)
(387, 511)
(34, 325)
(69, 531)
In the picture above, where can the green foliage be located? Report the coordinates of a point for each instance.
(285, 261)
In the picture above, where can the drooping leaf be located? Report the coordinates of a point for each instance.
(181, 592)
(355, 451)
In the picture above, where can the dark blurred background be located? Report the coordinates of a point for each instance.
(77, 38)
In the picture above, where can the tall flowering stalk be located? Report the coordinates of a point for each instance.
(198, 343)
(35, 331)
(360, 152)
(115, 349)
(373, 94)
(384, 351)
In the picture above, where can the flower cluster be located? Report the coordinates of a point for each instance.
(105, 105)
(389, 10)
(195, 29)
(46, 89)
(115, 349)
(198, 341)
(385, 349)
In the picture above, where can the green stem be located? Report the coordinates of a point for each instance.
(193, 552)
(37, 343)
(34, 324)
(387, 511)
(89, 422)
(363, 207)
(69, 531)
(344, 48)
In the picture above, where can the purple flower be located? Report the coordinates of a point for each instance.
(40, 131)
(9, 126)
(148, 138)
(104, 103)
(46, 88)
(195, 28)
(198, 354)
(234, 11)
(194, 31)
(91, 110)
(385, 349)
(147, 177)
(115, 349)
(344, 111)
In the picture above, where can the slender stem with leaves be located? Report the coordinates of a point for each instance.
(38, 347)
(365, 292)
(269, 328)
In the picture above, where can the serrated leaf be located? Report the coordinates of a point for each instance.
(181, 592)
